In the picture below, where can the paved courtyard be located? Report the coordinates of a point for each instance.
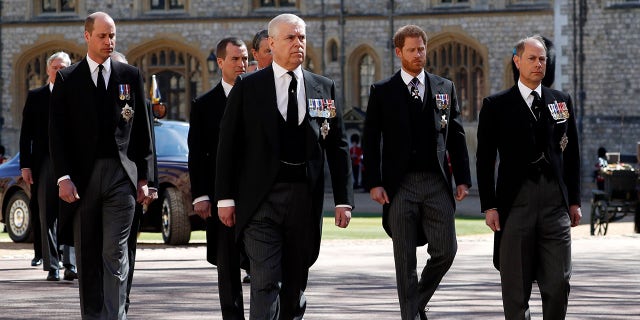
(353, 279)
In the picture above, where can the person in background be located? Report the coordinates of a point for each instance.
(252, 66)
(101, 149)
(206, 113)
(417, 117)
(533, 199)
(36, 170)
(601, 163)
(279, 124)
(260, 49)
(3, 157)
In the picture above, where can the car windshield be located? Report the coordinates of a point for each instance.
(171, 140)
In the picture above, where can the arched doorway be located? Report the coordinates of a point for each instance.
(179, 73)
(462, 61)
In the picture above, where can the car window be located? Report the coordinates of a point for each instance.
(171, 140)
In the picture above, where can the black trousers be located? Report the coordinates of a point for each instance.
(278, 241)
(227, 260)
(536, 245)
(422, 204)
(132, 245)
(102, 224)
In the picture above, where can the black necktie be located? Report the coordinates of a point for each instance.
(102, 89)
(415, 92)
(292, 104)
(537, 105)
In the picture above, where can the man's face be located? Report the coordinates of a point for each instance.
(53, 67)
(102, 40)
(413, 55)
(263, 54)
(235, 62)
(288, 45)
(532, 64)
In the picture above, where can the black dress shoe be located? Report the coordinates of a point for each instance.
(70, 274)
(246, 279)
(423, 315)
(36, 262)
(53, 275)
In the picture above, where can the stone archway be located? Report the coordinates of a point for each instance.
(464, 61)
(30, 70)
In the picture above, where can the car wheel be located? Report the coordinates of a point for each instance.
(176, 227)
(19, 221)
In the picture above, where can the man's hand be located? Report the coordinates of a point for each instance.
(67, 191)
(227, 215)
(153, 195)
(343, 216)
(143, 191)
(461, 192)
(27, 176)
(575, 214)
(492, 219)
(379, 195)
(203, 209)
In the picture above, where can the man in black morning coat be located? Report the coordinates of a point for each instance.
(536, 199)
(100, 143)
(206, 113)
(279, 124)
(417, 118)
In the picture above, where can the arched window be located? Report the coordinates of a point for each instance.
(36, 69)
(366, 77)
(464, 65)
(333, 50)
(178, 74)
(32, 73)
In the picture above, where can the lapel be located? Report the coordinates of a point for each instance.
(518, 109)
(114, 79)
(548, 98)
(436, 86)
(267, 105)
(312, 90)
(87, 96)
(400, 94)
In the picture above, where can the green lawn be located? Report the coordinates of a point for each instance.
(369, 226)
(362, 226)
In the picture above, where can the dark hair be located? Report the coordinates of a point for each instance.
(2, 150)
(355, 138)
(602, 152)
(221, 48)
(408, 31)
(262, 34)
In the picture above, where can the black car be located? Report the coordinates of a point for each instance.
(14, 197)
(172, 214)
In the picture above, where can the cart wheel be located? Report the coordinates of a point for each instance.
(599, 219)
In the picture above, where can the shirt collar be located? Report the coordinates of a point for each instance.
(406, 77)
(226, 87)
(51, 86)
(279, 71)
(525, 91)
(94, 65)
